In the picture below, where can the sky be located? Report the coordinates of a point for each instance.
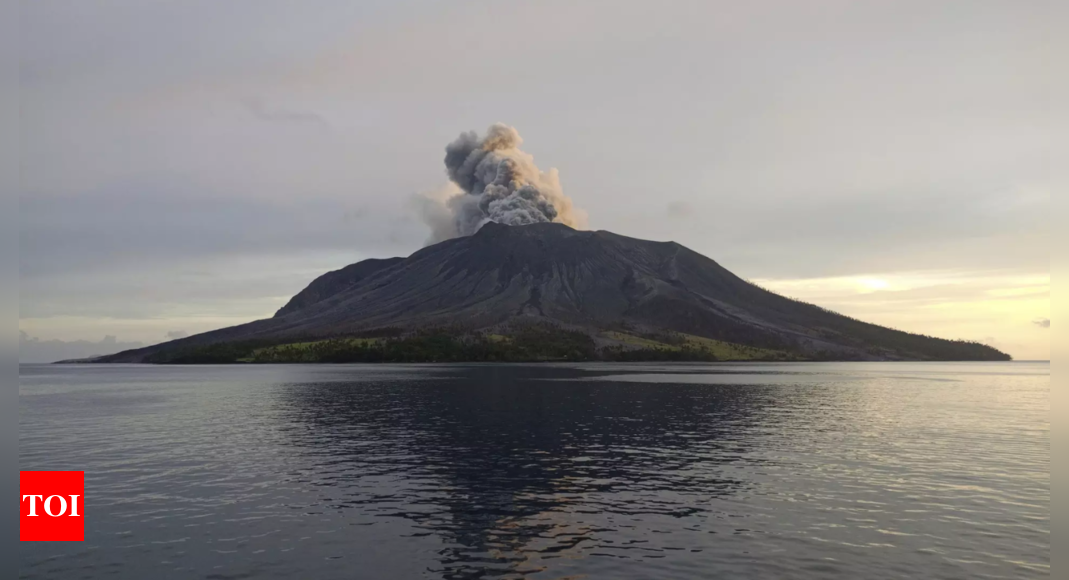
(188, 165)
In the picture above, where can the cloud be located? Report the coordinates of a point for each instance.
(144, 225)
(275, 114)
(35, 350)
(1042, 322)
(433, 209)
(680, 209)
(183, 255)
(176, 334)
(978, 305)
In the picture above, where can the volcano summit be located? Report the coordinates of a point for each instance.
(544, 291)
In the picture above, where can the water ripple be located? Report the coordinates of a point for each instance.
(549, 471)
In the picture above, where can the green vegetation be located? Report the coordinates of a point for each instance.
(684, 347)
(534, 342)
(307, 352)
(219, 353)
(524, 343)
(638, 341)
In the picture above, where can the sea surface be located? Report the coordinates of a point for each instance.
(616, 471)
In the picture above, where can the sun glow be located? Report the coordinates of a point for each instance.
(996, 308)
(873, 284)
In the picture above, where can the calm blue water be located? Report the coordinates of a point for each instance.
(838, 470)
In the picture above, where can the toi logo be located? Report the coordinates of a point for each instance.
(51, 506)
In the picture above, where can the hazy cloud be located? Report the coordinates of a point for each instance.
(146, 224)
(679, 209)
(275, 114)
(176, 334)
(34, 350)
(1042, 322)
(952, 304)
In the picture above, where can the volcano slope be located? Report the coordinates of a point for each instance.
(611, 288)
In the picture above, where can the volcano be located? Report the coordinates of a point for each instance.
(613, 288)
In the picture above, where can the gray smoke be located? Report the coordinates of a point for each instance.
(498, 183)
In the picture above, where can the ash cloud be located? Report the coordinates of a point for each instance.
(1042, 322)
(498, 182)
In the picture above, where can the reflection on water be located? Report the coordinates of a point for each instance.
(598, 471)
(506, 475)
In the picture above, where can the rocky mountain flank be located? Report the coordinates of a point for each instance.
(589, 280)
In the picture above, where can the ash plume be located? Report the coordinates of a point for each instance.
(497, 182)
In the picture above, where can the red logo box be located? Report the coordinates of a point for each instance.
(52, 506)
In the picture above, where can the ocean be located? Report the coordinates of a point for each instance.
(616, 471)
